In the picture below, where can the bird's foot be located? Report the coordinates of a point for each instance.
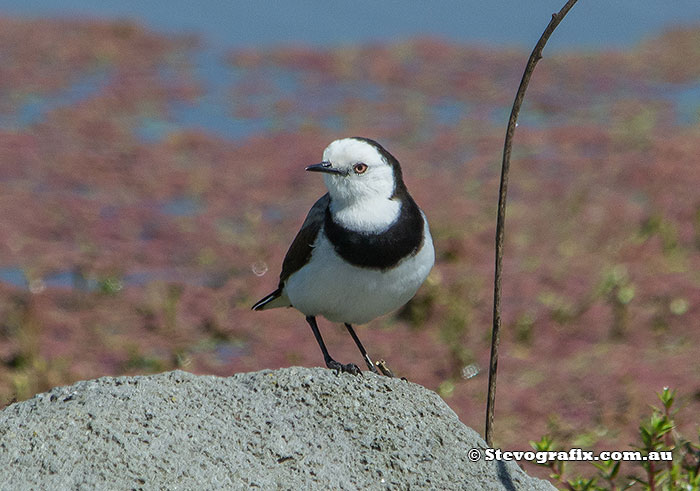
(339, 367)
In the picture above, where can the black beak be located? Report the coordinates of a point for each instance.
(325, 167)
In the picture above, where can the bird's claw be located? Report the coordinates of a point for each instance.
(348, 368)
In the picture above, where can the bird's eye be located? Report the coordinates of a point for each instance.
(359, 168)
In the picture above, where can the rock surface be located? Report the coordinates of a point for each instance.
(295, 428)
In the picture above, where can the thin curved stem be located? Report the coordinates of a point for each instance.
(500, 224)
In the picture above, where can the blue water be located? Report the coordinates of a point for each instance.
(13, 276)
(181, 206)
(35, 108)
(592, 24)
(686, 98)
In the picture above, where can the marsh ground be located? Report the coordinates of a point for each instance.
(149, 192)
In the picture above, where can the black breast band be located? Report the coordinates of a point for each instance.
(382, 250)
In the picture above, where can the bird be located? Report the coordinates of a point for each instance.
(363, 250)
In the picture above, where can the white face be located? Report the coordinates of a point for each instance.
(366, 175)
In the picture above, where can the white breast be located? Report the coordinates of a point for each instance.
(366, 215)
(341, 292)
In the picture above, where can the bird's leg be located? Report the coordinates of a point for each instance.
(361, 348)
(330, 362)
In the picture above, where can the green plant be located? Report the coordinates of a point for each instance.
(657, 436)
(618, 291)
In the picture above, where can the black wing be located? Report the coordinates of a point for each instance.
(300, 251)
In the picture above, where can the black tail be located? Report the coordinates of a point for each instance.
(260, 304)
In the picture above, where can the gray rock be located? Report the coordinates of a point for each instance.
(295, 428)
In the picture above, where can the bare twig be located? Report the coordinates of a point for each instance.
(500, 225)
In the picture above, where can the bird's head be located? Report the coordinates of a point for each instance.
(359, 169)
